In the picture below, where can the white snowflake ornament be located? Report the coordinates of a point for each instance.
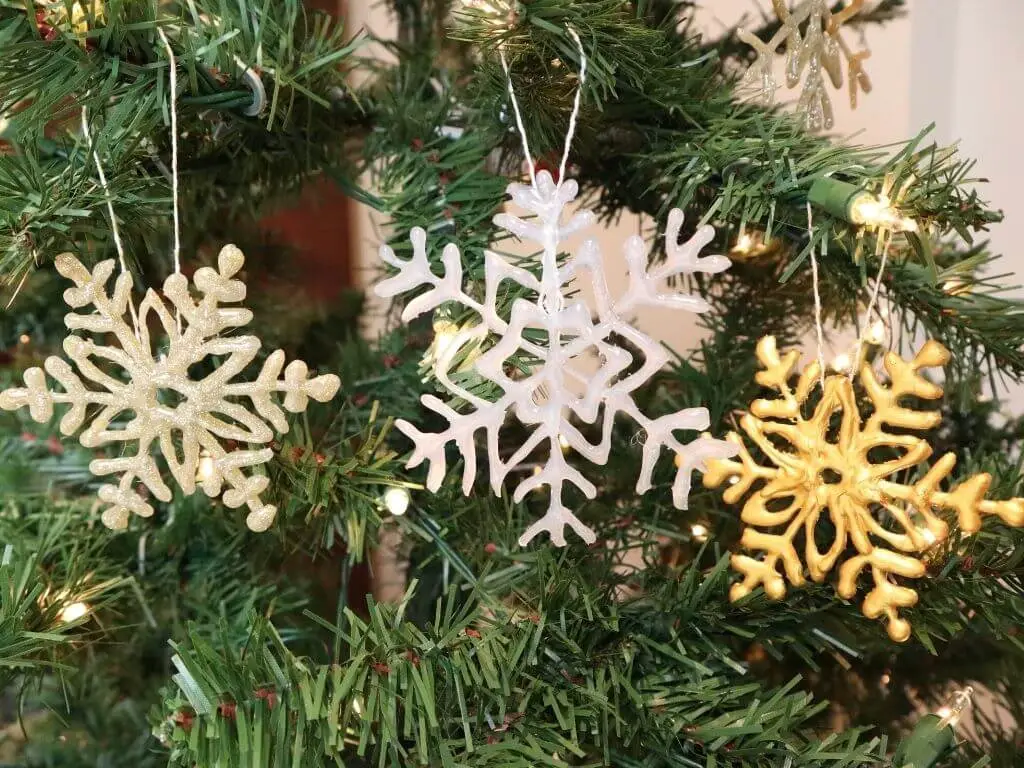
(129, 392)
(553, 391)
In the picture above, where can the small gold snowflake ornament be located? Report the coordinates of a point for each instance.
(831, 475)
(148, 397)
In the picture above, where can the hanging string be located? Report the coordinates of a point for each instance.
(818, 327)
(115, 230)
(575, 106)
(573, 117)
(871, 308)
(519, 117)
(551, 299)
(173, 65)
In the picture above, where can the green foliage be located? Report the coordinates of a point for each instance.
(627, 653)
(118, 69)
(598, 683)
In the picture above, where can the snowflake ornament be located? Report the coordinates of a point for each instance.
(833, 477)
(819, 50)
(554, 390)
(147, 397)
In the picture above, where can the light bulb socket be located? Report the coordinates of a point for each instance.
(927, 744)
(836, 198)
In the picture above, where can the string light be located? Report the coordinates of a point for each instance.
(563, 443)
(207, 467)
(396, 500)
(73, 612)
(876, 333)
(751, 244)
(842, 362)
(879, 212)
(951, 712)
(955, 287)
(744, 244)
(24, 338)
(699, 532)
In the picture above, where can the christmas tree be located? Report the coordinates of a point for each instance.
(598, 550)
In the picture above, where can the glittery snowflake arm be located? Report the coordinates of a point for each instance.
(128, 378)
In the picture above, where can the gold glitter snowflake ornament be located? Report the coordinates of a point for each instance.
(832, 475)
(147, 396)
(819, 50)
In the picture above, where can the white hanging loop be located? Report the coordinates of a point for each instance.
(115, 230)
(551, 299)
(173, 67)
(871, 308)
(818, 327)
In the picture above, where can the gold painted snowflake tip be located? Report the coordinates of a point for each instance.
(131, 392)
(831, 474)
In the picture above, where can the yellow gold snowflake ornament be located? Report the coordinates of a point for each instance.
(833, 461)
(147, 396)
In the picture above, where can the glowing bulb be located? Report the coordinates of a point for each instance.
(24, 338)
(744, 244)
(880, 213)
(842, 363)
(955, 287)
(396, 500)
(953, 710)
(445, 332)
(699, 532)
(563, 443)
(886, 678)
(734, 479)
(207, 468)
(929, 537)
(876, 333)
(356, 706)
(73, 612)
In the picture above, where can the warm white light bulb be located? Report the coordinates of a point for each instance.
(563, 443)
(954, 708)
(880, 213)
(207, 467)
(73, 612)
(699, 532)
(841, 363)
(445, 332)
(24, 338)
(876, 333)
(396, 500)
(929, 537)
(954, 287)
(744, 244)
